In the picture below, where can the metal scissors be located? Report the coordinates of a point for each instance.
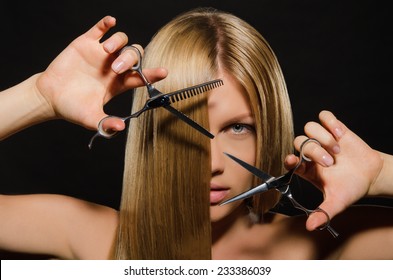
(282, 184)
(158, 99)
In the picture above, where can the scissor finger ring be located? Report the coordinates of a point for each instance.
(309, 140)
(101, 132)
(327, 224)
(138, 53)
(132, 47)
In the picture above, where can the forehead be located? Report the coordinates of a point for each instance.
(229, 98)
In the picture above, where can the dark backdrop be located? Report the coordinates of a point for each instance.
(335, 55)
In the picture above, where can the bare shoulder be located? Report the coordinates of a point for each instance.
(56, 225)
(92, 229)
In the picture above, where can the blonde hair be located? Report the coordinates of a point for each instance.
(164, 211)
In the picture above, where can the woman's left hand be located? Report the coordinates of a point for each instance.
(344, 168)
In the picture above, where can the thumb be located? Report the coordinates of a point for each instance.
(112, 124)
(102, 121)
(323, 215)
(107, 128)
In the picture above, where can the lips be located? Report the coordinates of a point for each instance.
(217, 194)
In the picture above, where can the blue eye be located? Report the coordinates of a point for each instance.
(240, 128)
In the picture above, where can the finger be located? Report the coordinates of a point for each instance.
(331, 123)
(132, 79)
(112, 124)
(290, 161)
(115, 42)
(327, 140)
(127, 58)
(319, 219)
(139, 47)
(316, 220)
(100, 28)
(313, 151)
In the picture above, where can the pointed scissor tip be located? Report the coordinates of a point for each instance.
(228, 201)
(238, 197)
(258, 189)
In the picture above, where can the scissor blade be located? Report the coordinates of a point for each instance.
(194, 90)
(189, 121)
(258, 189)
(259, 173)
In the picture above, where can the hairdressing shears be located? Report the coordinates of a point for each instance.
(158, 99)
(282, 184)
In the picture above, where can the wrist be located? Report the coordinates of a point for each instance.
(42, 106)
(383, 183)
(22, 106)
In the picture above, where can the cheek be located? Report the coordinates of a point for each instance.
(244, 149)
(240, 176)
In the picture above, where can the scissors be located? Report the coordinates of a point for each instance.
(158, 99)
(282, 184)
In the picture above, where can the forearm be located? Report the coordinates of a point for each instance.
(383, 185)
(22, 106)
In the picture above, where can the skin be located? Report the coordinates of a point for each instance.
(76, 227)
(231, 122)
(342, 153)
(57, 93)
(82, 230)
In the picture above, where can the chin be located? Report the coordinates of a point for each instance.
(216, 213)
(231, 211)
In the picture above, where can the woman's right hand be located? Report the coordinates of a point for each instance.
(89, 73)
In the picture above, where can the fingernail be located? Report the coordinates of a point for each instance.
(109, 47)
(312, 223)
(339, 132)
(327, 160)
(336, 149)
(118, 66)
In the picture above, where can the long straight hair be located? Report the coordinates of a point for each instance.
(164, 212)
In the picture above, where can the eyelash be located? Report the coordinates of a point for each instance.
(242, 126)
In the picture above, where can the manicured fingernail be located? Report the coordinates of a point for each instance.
(118, 66)
(339, 132)
(109, 47)
(327, 160)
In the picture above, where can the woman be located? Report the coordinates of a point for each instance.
(172, 172)
(198, 47)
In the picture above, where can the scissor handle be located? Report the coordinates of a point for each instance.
(327, 224)
(138, 66)
(287, 192)
(101, 132)
(302, 156)
(296, 204)
(104, 133)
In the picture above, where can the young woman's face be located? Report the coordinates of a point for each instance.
(232, 124)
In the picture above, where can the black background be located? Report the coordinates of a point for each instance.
(335, 55)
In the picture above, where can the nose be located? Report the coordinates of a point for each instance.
(217, 157)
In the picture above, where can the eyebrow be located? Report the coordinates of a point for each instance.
(246, 118)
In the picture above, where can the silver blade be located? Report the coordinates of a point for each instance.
(189, 121)
(259, 173)
(258, 189)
